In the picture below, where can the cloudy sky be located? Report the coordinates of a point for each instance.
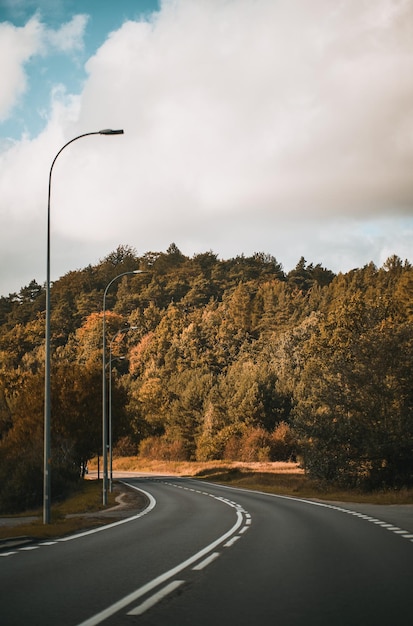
(277, 126)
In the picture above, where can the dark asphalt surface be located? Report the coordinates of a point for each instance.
(206, 555)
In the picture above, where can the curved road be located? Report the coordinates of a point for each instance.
(206, 555)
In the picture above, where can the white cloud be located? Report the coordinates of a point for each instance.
(69, 37)
(261, 104)
(282, 127)
(17, 46)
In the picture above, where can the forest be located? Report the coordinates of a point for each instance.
(212, 359)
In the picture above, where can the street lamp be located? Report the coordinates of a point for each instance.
(47, 402)
(122, 331)
(104, 398)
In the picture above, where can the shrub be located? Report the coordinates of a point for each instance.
(125, 446)
(163, 449)
(283, 443)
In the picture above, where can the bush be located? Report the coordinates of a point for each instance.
(21, 486)
(125, 446)
(240, 442)
(283, 443)
(255, 445)
(162, 449)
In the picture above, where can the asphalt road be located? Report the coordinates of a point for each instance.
(205, 555)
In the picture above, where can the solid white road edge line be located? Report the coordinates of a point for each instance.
(152, 504)
(325, 505)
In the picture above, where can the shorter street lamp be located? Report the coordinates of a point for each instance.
(104, 394)
(122, 331)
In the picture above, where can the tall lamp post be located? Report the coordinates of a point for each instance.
(47, 402)
(104, 393)
(122, 331)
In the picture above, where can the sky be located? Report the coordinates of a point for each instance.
(275, 126)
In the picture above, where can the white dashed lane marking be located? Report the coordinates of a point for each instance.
(405, 534)
(206, 561)
(157, 597)
(197, 562)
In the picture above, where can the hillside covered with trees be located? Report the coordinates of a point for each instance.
(216, 359)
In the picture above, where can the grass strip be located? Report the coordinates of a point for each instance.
(87, 499)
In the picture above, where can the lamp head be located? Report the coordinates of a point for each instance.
(109, 131)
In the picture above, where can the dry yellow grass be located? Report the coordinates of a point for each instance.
(277, 477)
(191, 468)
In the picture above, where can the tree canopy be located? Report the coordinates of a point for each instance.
(228, 359)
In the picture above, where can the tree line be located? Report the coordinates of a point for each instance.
(216, 359)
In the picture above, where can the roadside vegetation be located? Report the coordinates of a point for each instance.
(283, 478)
(81, 510)
(73, 514)
(232, 361)
(300, 486)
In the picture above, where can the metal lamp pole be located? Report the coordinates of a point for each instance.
(122, 331)
(47, 402)
(104, 393)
